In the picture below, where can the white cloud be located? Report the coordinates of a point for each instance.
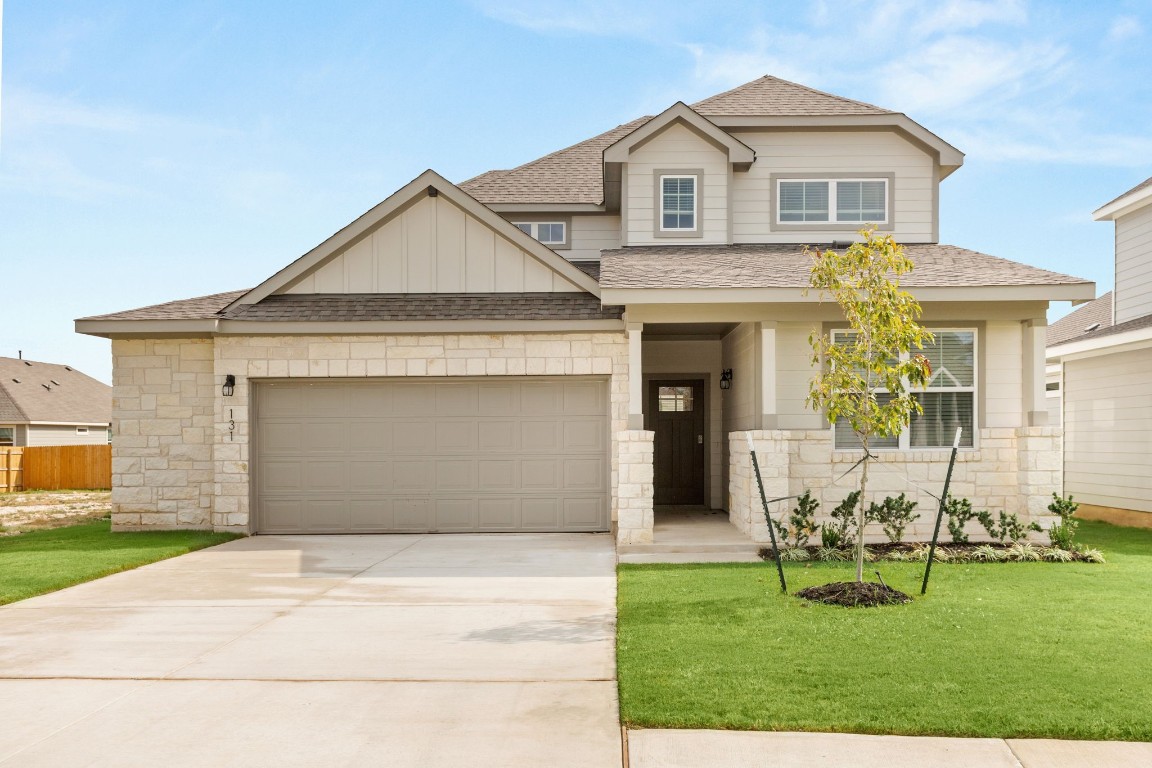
(594, 17)
(1125, 28)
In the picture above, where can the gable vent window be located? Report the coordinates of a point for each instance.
(833, 201)
(678, 203)
(547, 232)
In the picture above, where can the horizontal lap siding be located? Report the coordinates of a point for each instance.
(1134, 265)
(592, 234)
(825, 154)
(1108, 430)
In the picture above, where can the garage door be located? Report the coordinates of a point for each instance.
(450, 455)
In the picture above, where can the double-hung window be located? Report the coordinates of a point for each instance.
(948, 402)
(7, 435)
(678, 203)
(547, 232)
(832, 201)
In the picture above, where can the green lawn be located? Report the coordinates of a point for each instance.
(1061, 650)
(43, 561)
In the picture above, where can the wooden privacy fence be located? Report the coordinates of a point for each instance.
(56, 467)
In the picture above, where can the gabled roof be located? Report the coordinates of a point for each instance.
(785, 266)
(1086, 322)
(770, 95)
(680, 113)
(31, 391)
(422, 185)
(1137, 197)
(569, 175)
(345, 307)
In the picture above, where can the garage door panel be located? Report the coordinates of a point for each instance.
(432, 455)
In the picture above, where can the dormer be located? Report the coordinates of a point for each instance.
(670, 179)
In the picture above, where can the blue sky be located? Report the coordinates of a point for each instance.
(154, 151)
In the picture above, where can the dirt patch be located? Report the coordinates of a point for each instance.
(38, 510)
(854, 594)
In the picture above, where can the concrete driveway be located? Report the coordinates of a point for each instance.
(449, 650)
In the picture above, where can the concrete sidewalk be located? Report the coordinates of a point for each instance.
(659, 748)
(430, 651)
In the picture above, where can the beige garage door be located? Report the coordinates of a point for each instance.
(450, 455)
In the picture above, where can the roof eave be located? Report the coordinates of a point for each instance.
(793, 295)
(125, 328)
(1124, 204)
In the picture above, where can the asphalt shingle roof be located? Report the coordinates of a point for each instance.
(199, 308)
(1075, 325)
(35, 391)
(1142, 185)
(770, 95)
(425, 306)
(788, 266)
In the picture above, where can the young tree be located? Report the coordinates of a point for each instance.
(864, 379)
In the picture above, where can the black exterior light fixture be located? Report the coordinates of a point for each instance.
(726, 379)
(229, 386)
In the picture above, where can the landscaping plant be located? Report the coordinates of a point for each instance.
(1009, 529)
(1062, 534)
(801, 521)
(895, 514)
(960, 512)
(864, 280)
(839, 532)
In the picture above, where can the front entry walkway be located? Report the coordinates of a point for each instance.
(421, 650)
(687, 534)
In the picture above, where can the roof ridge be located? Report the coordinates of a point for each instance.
(531, 163)
(808, 88)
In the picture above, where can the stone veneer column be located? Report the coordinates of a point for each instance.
(634, 491)
(1040, 471)
(773, 453)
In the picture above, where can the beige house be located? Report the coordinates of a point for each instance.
(1100, 376)
(51, 404)
(575, 343)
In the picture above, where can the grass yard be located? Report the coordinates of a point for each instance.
(43, 561)
(1059, 650)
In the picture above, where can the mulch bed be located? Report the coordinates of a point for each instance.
(854, 594)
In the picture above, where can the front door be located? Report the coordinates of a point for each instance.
(676, 411)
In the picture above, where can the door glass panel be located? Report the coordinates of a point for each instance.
(675, 399)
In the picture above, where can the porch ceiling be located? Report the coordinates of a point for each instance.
(654, 331)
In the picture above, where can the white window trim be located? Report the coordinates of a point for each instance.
(695, 202)
(832, 182)
(534, 231)
(905, 438)
(12, 428)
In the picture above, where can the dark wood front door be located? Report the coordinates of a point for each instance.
(676, 411)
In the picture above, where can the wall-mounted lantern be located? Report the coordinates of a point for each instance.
(229, 386)
(726, 379)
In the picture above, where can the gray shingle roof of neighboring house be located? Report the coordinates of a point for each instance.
(365, 307)
(32, 391)
(1096, 314)
(574, 174)
(770, 95)
(788, 266)
(426, 306)
(1142, 185)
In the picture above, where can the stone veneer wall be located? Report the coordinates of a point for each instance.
(181, 450)
(634, 492)
(1015, 470)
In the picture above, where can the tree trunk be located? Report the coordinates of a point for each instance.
(861, 517)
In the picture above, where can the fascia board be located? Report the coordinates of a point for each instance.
(1123, 205)
(68, 423)
(738, 152)
(629, 296)
(397, 202)
(132, 328)
(1140, 338)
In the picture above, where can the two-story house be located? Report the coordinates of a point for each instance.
(569, 344)
(1100, 377)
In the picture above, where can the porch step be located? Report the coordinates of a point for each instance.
(689, 557)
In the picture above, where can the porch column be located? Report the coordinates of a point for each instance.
(635, 377)
(767, 353)
(1035, 404)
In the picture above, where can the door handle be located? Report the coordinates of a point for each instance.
(699, 439)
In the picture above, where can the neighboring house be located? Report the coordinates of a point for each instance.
(1100, 376)
(562, 345)
(49, 404)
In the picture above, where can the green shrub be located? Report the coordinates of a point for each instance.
(840, 532)
(801, 521)
(794, 554)
(1092, 556)
(1024, 553)
(1008, 529)
(1062, 535)
(1058, 555)
(894, 514)
(960, 512)
(832, 555)
(986, 553)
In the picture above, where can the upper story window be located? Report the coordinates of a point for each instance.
(547, 232)
(948, 402)
(678, 203)
(832, 201)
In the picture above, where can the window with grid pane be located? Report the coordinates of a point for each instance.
(810, 201)
(948, 402)
(547, 232)
(678, 202)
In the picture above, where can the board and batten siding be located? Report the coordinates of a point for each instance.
(824, 154)
(1108, 430)
(432, 246)
(676, 149)
(1133, 295)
